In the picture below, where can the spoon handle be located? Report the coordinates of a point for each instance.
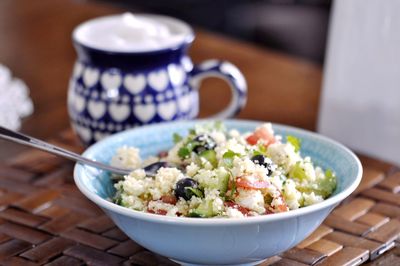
(17, 137)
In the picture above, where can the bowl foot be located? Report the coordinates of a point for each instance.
(240, 264)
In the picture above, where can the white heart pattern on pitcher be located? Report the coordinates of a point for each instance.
(90, 77)
(110, 80)
(119, 112)
(144, 112)
(231, 69)
(78, 69)
(177, 74)
(184, 103)
(158, 80)
(79, 103)
(209, 64)
(96, 109)
(100, 135)
(167, 110)
(135, 83)
(83, 132)
(187, 63)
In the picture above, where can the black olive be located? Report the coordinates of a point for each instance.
(205, 142)
(181, 188)
(151, 169)
(263, 161)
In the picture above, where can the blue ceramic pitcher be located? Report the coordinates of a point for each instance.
(111, 90)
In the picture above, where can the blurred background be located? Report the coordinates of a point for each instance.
(296, 27)
(279, 45)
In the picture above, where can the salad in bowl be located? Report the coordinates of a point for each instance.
(214, 172)
(234, 193)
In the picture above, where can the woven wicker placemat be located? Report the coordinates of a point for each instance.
(45, 220)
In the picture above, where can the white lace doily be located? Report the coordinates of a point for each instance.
(14, 100)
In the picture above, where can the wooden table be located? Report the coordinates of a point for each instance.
(44, 219)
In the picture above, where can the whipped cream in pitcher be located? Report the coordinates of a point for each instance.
(132, 33)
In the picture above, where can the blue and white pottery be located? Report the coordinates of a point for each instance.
(111, 91)
(228, 241)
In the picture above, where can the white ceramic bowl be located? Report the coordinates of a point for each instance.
(227, 241)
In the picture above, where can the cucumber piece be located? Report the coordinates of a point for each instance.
(296, 142)
(298, 172)
(204, 210)
(210, 156)
(223, 181)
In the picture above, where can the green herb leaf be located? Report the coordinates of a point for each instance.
(176, 137)
(193, 214)
(210, 156)
(261, 150)
(117, 199)
(192, 131)
(327, 185)
(296, 142)
(233, 188)
(195, 191)
(183, 152)
(192, 144)
(219, 126)
(329, 173)
(228, 158)
(257, 152)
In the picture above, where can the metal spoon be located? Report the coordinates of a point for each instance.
(17, 137)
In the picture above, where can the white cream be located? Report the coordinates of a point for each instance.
(133, 33)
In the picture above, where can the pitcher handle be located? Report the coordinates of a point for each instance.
(232, 75)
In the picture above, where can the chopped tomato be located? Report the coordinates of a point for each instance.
(163, 154)
(171, 199)
(268, 210)
(234, 205)
(252, 139)
(282, 207)
(257, 184)
(261, 134)
(160, 212)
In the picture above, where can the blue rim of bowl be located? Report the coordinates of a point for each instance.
(331, 201)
